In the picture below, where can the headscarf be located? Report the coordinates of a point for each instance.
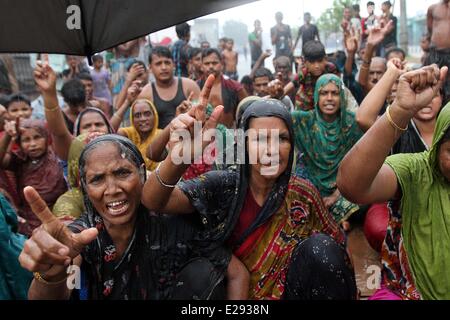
(425, 208)
(76, 127)
(44, 174)
(133, 134)
(102, 252)
(259, 109)
(325, 144)
(39, 125)
(243, 105)
(71, 203)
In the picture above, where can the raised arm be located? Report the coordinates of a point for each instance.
(156, 151)
(158, 195)
(363, 177)
(135, 70)
(351, 44)
(132, 93)
(5, 143)
(370, 108)
(45, 79)
(376, 36)
(259, 62)
(50, 250)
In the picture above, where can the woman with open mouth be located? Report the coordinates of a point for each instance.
(323, 137)
(124, 251)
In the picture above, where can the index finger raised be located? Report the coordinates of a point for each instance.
(38, 206)
(206, 92)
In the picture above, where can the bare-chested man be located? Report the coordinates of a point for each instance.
(225, 92)
(230, 58)
(438, 21)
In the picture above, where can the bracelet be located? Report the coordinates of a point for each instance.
(40, 279)
(52, 109)
(158, 177)
(388, 115)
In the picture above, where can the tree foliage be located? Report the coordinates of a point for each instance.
(330, 21)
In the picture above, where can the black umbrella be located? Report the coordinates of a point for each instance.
(84, 27)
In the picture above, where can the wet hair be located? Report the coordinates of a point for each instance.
(127, 150)
(314, 50)
(193, 52)
(395, 50)
(17, 97)
(160, 51)
(136, 61)
(210, 51)
(182, 30)
(263, 72)
(97, 57)
(73, 92)
(85, 76)
(246, 80)
(283, 60)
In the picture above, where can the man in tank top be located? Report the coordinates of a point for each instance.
(167, 92)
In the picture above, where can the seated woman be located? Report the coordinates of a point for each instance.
(275, 224)
(91, 123)
(417, 138)
(417, 186)
(34, 165)
(136, 254)
(323, 136)
(143, 129)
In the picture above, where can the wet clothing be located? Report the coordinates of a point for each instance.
(167, 109)
(230, 93)
(416, 254)
(442, 59)
(283, 38)
(14, 280)
(324, 144)
(265, 237)
(157, 262)
(151, 268)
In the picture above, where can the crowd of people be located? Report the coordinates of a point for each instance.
(89, 175)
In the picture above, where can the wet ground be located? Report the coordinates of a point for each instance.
(366, 262)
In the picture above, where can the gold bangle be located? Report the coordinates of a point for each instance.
(52, 109)
(40, 279)
(388, 115)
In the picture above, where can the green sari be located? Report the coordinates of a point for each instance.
(324, 144)
(425, 208)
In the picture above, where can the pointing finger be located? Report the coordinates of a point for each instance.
(38, 206)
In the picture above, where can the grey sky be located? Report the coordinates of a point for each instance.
(293, 10)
